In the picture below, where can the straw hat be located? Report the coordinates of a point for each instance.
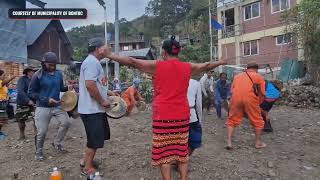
(69, 101)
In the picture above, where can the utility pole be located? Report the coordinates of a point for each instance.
(210, 30)
(103, 4)
(106, 40)
(117, 37)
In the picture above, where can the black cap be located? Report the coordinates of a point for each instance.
(96, 42)
(50, 57)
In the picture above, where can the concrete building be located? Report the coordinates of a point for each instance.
(253, 30)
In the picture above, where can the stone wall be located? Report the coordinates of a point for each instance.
(301, 96)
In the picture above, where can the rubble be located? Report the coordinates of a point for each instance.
(301, 96)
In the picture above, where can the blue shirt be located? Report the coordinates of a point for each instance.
(222, 91)
(271, 91)
(44, 86)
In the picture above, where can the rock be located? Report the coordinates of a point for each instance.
(141, 178)
(308, 168)
(272, 173)
(270, 164)
(314, 165)
(144, 164)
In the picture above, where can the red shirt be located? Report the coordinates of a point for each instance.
(171, 81)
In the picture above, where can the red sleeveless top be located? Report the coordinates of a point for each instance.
(170, 82)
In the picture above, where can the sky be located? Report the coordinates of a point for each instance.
(129, 9)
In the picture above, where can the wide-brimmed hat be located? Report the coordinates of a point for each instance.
(69, 101)
(118, 107)
(28, 69)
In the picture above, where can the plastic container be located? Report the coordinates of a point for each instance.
(56, 174)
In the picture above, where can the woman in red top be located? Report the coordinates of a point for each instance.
(171, 110)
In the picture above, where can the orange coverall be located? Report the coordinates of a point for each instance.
(130, 96)
(244, 102)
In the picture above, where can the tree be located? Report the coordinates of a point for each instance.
(79, 53)
(168, 12)
(304, 22)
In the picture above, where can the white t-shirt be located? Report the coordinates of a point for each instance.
(195, 101)
(91, 69)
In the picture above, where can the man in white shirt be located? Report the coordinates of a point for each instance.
(195, 104)
(207, 89)
(93, 101)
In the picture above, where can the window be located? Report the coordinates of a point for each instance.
(250, 48)
(126, 48)
(279, 5)
(284, 39)
(252, 11)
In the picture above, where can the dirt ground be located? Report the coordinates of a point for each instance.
(293, 151)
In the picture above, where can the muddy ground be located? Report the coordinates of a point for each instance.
(293, 151)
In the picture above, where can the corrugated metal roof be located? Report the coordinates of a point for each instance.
(34, 29)
(136, 53)
(12, 38)
(37, 3)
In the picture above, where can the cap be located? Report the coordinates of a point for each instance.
(50, 57)
(96, 42)
(252, 65)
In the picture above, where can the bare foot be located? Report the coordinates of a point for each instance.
(260, 145)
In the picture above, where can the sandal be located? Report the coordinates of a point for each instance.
(91, 174)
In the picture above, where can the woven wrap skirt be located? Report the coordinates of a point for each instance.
(3, 112)
(170, 141)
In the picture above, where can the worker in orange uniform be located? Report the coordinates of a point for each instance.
(132, 95)
(248, 90)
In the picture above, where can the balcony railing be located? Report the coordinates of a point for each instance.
(228, 31)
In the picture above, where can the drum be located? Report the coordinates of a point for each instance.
(141, 106)
(69, 103)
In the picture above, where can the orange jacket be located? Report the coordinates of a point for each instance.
(242, 86)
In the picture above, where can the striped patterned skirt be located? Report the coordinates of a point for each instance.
(3, 112)
(170, 141)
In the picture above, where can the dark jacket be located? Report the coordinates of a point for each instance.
(223, 90)
(22, 88)
(44, 86)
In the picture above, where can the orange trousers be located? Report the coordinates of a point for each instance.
(245, 107)
(129, 104)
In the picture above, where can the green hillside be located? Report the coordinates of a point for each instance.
(186, 18)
